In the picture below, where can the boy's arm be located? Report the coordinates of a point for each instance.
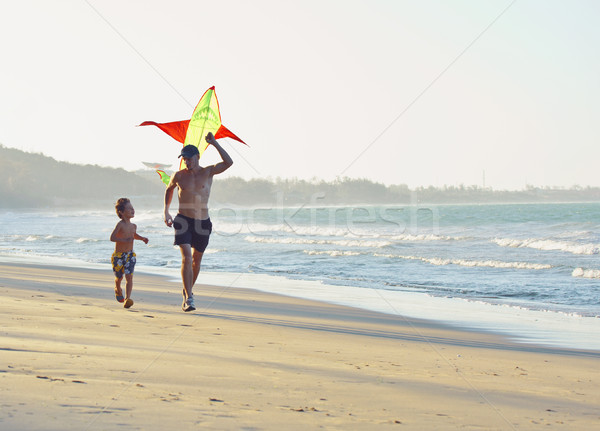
(136, 236)
(227, 160)
(168, 198)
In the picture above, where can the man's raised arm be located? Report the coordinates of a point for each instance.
(227, 160)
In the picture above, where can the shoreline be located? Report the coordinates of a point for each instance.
(521, 326)
(74, 358)
(240, 287)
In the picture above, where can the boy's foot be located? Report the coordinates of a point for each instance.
(119, 298)
(128, 303)
(188, 305)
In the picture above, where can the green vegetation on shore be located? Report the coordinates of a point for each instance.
(37, 181)
(363, 191)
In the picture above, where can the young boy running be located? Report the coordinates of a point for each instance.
(123, 259)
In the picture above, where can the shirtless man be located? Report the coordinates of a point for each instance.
(192, 224)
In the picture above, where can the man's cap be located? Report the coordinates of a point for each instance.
(189, 151)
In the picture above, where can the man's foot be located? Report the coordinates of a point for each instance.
(188, 304)
(119, 298)
(128, 303)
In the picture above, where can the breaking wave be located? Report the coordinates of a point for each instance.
(307, 241)
(332, 253)
(586, 273)
(426, 237)
(438, 261)
(81, 240)
(469, 263)
(549, 245)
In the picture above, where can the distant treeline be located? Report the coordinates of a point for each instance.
(355, 191)
(36, 181)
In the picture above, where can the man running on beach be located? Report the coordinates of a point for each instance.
(192, 223)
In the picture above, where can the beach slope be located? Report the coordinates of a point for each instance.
(72, 358)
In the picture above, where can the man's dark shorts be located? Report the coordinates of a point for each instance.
(192, 231)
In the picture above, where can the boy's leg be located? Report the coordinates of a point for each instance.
(128, 288)
(118, 290)
(117, 268)
(128, 285)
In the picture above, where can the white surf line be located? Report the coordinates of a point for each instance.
(585, 273)
(469, 263)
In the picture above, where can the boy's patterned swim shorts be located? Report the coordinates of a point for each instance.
(123, 263)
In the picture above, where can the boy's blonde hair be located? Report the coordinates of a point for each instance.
(120, 206)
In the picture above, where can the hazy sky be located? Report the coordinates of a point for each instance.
(401, 92)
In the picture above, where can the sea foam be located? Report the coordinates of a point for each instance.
(549, 245)
(586, 273)
(469, 263)
(332, 253)
(306, 241)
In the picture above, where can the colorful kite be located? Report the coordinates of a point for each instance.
(164, 177)
(156, 165)
(206, 118)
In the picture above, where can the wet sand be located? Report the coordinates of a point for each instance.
(72, 358)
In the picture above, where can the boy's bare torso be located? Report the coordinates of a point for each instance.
(194, 191)
(126, 230)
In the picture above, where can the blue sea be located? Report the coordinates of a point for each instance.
(530, 271)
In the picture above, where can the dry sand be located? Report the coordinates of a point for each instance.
(72, 358)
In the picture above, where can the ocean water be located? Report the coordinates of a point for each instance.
(531, 271)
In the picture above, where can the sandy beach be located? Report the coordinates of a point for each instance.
(72, 358)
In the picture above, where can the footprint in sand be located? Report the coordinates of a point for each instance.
(50, 378)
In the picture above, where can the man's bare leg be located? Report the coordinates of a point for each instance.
(197, 256)
(187, 270)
